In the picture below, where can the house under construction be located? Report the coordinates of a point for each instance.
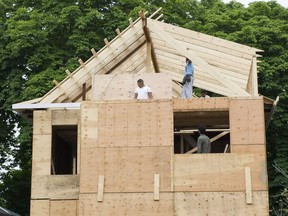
(98, 151)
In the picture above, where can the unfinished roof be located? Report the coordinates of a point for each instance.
(152, 46)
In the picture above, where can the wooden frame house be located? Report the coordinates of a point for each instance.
(98, 151)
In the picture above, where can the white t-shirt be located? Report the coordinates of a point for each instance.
(143, 92)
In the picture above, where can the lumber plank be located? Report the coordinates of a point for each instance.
(156, 186)
(248, 186)
(100, 193)
(65, 117)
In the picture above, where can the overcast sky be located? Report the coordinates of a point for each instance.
(284, 3)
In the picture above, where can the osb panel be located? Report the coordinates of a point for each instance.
(41, 154)
(218, 172)
(63, 207)
(220, 204)
(89, 124)
(42, 122)
(39, 207)
(247, 124)
(126, 169)
(122, 86)
(138, 123)
(249, 149)
(129, 204)
(55, 187)
(203, 104)
(65, 117)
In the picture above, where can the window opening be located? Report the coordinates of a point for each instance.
(186, 132)
(64, 150)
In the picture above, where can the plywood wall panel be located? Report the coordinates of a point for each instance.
(247, 124)
(42, 122)
(65, 117)
(55, 187)
(165, 123)
(41, 154)
(39, 207)
(141, 204)
(122, 86)
(218, 172)
(89, 124)
(203, 104)
(220, 204)
(63, 207)
(126, 169)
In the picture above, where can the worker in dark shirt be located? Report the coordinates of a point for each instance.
(203, 141)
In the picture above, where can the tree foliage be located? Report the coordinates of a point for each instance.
(39, 39)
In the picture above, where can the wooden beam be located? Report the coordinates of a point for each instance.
(100, 192)
(106, 42)
(84, 92)
(237, 91)
(156, 187)
(131, 22)
(152, 15)
(248, 184)
(118, 32)
(81, 63)
(94, 52)
(252, 84)
(219, 136)
(56, 83)
(159, 17)
(68, 73)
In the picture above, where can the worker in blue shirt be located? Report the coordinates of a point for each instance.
(188, 79)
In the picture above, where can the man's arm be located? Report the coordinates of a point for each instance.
(150, 96)
(135, 95)
(199, 145)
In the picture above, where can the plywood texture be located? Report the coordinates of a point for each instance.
(42, 122)
(203, 104)
(129, 123)
(89, 124)
(63, 207)
(218, 172)
(39, 207)
(126, 169)
(55, 187)
(220, 204)
(122, 86)
(130, 204)
(249, 149)
(247, 125)
(41, 154)
(65, 117)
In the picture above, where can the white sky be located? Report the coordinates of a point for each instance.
(284, 3)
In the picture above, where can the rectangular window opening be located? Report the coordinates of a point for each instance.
(186, 131)
(64, 150)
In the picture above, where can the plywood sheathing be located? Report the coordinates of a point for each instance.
(41, 151)
(141, 204)
(247, 124)
(64, 207)
(122, 86)
(65, 117)
(220, 172)
(127, 142)
(55, 187)
(126, 169)
(40, 207)
(201, 104)
(220, 203)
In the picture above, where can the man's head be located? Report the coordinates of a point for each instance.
(140, 83)
(202, 129)
(188, 60)
(203, 93)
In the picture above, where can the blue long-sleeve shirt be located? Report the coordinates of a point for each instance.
(189, 69)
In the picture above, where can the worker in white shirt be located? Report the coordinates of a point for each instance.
(142, 91)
